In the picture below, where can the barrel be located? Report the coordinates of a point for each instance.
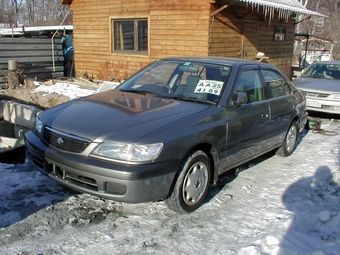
(12, 65)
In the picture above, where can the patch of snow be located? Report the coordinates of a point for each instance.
(324, 216)
(68, 89)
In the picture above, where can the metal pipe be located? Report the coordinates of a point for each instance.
(53, 41)
(304, 64)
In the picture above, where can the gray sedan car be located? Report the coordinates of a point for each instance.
(321, 84)
(169, 131)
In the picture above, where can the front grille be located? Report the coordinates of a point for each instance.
(84, 181)
(65, 141)
(316, 95)
(81, 180)
(70, 177)
(37, 161)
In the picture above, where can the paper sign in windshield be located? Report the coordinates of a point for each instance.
(209, 86)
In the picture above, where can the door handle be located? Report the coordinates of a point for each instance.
(264, 115)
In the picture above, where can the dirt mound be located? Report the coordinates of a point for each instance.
(30, 93)
(40, 99)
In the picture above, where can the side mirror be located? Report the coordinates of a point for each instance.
(240, 98)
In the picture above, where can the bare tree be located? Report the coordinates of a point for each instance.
(10, 11)
(16, 7)
(304, 2)
(328, 28)
(32, 12)
(335, 2)
(2, 11)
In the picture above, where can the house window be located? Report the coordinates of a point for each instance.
(279, 34)
(130, 36)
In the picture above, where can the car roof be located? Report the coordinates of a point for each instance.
(215, 60)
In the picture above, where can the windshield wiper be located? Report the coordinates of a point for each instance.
(191, 99)
(315, 76)
(143, 92)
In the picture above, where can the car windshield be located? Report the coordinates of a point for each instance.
(323, 71)
(182, 80)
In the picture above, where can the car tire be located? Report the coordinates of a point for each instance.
(289, 143)
(192, 184)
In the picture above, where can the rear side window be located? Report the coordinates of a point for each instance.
(276, 85)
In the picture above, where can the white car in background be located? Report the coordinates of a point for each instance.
(321, 84)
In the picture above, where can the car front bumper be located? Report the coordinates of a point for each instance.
(324, 105)
(109, 180)
(303, 121)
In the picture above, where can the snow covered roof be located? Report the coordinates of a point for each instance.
(284, 7)
(34, 30)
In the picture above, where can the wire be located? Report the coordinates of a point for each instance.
(317, 130)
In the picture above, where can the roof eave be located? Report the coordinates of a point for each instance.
(263, 3)
(65, 2)
(282, 7)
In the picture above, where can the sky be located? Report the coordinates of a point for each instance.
(270, 206)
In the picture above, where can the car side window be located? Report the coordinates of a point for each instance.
(249, 82)
(276, 85)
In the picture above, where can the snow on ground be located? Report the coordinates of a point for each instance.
(273, 205)
(64, 88)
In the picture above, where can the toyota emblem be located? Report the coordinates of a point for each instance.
(60, 140)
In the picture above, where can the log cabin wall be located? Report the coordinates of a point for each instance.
(175, 28)
(242, 32)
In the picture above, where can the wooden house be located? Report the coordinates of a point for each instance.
(115, 38)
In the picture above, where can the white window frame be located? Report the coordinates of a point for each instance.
(279, 33)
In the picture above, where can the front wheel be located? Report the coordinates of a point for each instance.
(290, 141)
(192, 184)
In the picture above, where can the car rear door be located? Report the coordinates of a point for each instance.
(282, 104)
(247, 124)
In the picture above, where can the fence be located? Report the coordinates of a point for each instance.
(34, 56)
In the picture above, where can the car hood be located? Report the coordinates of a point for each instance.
(117, 115)
(318, 85)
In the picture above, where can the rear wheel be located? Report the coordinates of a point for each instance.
(192, 184)
(289, 144)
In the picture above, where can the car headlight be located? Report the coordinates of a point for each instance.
(128, 152)
(335, 96)
(38, 126)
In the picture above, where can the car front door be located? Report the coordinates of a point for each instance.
(247, 124)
